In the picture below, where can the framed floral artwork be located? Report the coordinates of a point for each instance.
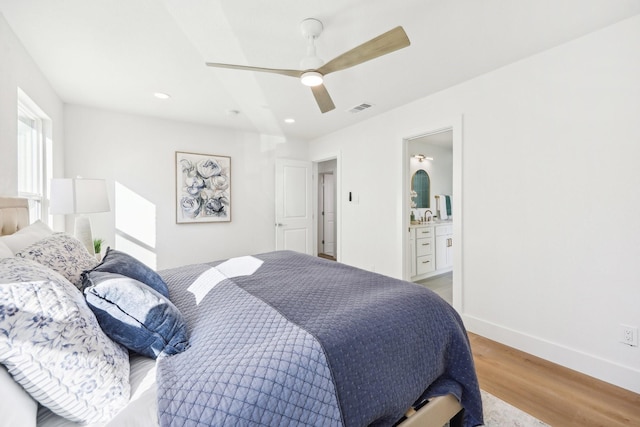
(203, 188)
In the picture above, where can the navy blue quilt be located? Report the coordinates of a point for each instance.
(306, 341)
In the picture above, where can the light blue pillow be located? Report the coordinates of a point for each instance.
(134, 315)
(121, 263)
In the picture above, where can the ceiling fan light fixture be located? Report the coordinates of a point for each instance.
(311, 78)
(313, 69)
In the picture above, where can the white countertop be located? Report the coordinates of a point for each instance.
(432, 223)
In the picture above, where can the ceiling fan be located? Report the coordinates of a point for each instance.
(313, 69)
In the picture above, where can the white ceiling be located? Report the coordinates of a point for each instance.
(115, 54)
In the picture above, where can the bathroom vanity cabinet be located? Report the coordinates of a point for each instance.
(444, 247)
(430, 249)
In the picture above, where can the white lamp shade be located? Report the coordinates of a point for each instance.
(91, 196)
(79, 196)
(69, 196)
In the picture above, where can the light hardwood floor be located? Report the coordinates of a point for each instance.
(554, 394)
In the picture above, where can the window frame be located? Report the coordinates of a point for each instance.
(39, 170)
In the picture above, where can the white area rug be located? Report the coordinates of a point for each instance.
(498, 413)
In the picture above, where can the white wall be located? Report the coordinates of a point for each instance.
(17, 69)
(550, 199)
(138, 153)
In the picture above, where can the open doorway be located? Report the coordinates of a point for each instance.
(432, 237)
(326, 215)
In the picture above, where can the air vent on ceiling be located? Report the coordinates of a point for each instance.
(360, 107)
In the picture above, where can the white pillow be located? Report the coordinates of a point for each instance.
(52, 344)
(27, 236)
(142, 409)
(5, 252)
(63, 254)
(16, 406)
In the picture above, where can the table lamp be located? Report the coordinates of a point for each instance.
(80, 196)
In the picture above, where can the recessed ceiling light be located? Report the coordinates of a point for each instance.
(162, 95)
(289, 120)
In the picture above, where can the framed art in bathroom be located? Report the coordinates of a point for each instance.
(203, 188)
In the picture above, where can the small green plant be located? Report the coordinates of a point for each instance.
(97, 245)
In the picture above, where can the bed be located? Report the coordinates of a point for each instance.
(279, 338)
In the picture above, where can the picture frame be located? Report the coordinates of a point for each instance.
(203, 188)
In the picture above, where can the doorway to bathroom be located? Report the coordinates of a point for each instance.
(432, 210)
(431, 187)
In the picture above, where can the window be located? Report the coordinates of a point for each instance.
(34, 145)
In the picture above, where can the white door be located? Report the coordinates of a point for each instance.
(329, 214)
(294, 217)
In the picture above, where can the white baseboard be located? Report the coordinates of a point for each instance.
(602, 369)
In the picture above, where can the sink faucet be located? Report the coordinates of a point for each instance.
(427, 218)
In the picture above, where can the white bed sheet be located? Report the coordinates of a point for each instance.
(141, 411)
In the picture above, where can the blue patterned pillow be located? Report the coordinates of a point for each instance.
(52, 344)
(63, 254)
(134, 315)
(121, 263)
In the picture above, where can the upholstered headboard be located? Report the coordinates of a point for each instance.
(14, 214)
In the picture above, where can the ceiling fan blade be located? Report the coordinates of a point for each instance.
(385, 43)
(322, 98)
(292, 73)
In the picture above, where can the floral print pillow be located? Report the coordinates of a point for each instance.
(52, 344)
(63, 254)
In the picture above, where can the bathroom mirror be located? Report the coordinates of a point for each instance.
(421, 184)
